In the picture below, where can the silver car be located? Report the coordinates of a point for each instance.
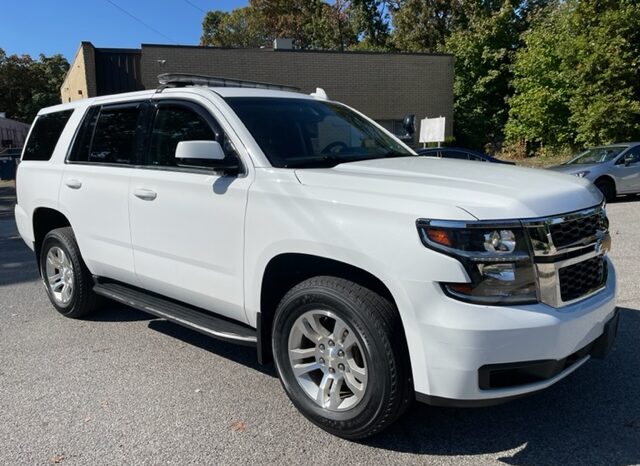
(614, 169)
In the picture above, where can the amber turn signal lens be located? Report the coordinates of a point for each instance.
(462, 288)
(439, 236)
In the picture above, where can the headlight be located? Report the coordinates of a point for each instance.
(496, 257)
(582, 174)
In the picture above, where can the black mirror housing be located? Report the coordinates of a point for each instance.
(409, 124)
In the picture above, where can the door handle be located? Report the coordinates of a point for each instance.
(145, 194)
(73, 183)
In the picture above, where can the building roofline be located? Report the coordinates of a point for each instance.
(337, 52)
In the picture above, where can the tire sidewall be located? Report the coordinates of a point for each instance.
(53, 239)
(366, 412)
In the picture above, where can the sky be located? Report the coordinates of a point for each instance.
(58, 26)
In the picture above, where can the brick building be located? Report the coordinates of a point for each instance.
(385, 86)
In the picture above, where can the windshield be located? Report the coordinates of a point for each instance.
(297, 133)
(597, 155)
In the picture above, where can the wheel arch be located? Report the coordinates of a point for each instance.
(608, 179)
(286, 270)
(44, 220)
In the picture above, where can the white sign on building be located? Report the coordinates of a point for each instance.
(432, 130)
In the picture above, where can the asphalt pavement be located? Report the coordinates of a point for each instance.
(126, 388)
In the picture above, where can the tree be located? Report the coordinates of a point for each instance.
(369, 23)
(312, 24)
(576, 78)
(239, 28)
(28, 85)
(543, 82)
(605, 106)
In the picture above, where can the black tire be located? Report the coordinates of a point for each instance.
(376, 324)
(607, 188)
(83, 300)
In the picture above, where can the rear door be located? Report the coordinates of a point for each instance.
(95, 187)
(187, 220)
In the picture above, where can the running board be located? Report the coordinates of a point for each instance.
(182, 314)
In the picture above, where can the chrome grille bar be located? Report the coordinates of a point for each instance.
(549, 258)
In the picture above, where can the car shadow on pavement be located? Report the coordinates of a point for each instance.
(111, 311)
(626, 199)
(591, 417)
(244, 355)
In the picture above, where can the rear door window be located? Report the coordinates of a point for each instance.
(109, 135)
(45, 135)
(115, 135)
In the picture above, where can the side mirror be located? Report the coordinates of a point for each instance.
(201, 150)
(628, 160)
(409, 124)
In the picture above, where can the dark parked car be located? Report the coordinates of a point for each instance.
(8, 162)
(461, 154)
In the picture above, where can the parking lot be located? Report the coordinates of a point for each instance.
(126, 388)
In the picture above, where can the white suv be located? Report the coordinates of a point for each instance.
(297, 225)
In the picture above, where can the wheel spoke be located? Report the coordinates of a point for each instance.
(349, 341)
(301, 353)
(309, 328)
(55, 279)
(357, 371)
(356, 388)
(304, 368)
(66, 293)
(63, 259)
(323, 390)
(334, 394)
(339, 330)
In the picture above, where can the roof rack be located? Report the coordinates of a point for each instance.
(187, 79)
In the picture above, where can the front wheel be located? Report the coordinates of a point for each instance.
(340, 353)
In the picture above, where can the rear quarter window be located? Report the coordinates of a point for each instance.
(45, 135)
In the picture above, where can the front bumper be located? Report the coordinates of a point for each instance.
(462, 343)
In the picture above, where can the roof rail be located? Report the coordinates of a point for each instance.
(187, 79)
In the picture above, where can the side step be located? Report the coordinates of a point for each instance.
(180, 313)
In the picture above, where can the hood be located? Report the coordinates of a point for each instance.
(575, 168)
(485, 190)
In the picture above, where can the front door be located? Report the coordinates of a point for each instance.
(628, 176)
(187, 219)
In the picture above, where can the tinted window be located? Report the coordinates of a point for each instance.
(114, 136)
(634, 154)
(309, 133)
(175, 123)
(45, 134)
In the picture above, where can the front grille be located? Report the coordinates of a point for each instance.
(572, 231)
(569, 253)
(582, 278)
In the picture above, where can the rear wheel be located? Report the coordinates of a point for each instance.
(68, 281)
(340, 354)
(607, 188)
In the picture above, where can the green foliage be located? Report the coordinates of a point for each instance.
(28, 85)
(576, 78)
(483, 51)
(312, 24)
